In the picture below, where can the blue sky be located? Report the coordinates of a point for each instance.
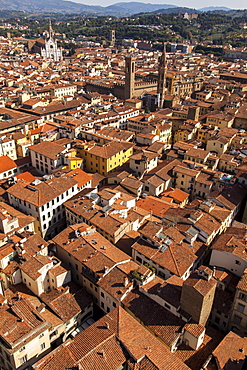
(234, 4)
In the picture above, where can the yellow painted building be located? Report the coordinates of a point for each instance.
(183, 135)
(205, 133)
(74, 162)
(106, 158)
(220, 120)
(22, 144)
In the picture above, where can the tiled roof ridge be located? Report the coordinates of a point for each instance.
(174, 260)
(118, 323)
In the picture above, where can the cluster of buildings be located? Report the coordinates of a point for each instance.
(123, 187)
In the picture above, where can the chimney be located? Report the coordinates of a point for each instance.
(214, 268)
(126, 281)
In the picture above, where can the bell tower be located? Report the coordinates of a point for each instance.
(162, 77)
(112, 38)
(129, 76)
(51, 32)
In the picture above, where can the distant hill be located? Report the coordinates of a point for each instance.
(60, 6)
(214, 8)
(139, 7)
(120, 9)
(175, 10)
(48, 6)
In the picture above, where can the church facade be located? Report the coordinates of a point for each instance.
(47, 48)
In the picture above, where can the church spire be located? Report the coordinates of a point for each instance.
(51, 32)
(162, 76)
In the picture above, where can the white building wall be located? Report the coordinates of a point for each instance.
(228, 261)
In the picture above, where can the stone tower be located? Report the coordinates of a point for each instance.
(112, 39)
(193, 113)
(129, 76)
(162, 77)
(198, 294)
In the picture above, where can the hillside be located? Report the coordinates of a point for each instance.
(49, 6)
(120, 9)
(60, 6)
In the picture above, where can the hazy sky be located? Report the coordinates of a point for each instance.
(234, 4)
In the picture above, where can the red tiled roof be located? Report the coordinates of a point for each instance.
(6, 164)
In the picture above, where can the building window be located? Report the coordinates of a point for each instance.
(217, 320)
(237, 262)
(42, 346)
(242, 296)
(102, 294)
(241, 307)
(23, 359)
(237, 320)
(138, 259)
(114, 304)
